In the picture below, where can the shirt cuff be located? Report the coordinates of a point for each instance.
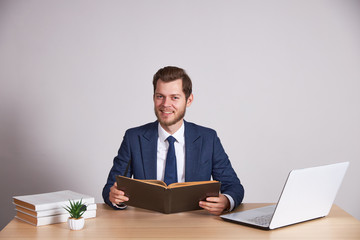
(232, 203)
(120, 206)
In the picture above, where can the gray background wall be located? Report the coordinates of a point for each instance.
(278, 80)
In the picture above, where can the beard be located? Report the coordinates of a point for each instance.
(177, 118)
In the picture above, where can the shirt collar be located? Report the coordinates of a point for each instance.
(178, 135)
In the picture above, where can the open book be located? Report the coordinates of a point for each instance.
(157, 196)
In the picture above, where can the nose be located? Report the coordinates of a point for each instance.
(167, 101)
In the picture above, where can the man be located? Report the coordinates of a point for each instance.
(199, 153)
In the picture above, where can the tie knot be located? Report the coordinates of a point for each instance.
(171, 140)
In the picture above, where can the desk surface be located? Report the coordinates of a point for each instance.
(139, 223)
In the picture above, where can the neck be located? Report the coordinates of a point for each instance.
(172, 128)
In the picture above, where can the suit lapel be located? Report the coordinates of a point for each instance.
(193, 144)
(148, 143)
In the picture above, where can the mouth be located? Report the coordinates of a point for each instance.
(166, 112)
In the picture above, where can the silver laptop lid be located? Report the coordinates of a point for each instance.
(308, 193)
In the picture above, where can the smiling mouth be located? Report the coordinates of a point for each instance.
(166, 112)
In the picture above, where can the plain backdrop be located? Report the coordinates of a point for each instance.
(278, 80)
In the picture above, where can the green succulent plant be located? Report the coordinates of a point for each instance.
(76, 209)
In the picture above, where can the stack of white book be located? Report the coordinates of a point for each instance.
(48, 208)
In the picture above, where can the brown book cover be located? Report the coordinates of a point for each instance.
(157, 196)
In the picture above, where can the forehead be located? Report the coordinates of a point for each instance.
(173, 87)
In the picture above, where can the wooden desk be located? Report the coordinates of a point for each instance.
(139, 223)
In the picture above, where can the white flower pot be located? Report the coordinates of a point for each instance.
(76, 224)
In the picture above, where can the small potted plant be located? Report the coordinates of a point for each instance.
(76, 210)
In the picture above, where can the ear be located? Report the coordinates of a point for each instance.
(190, 100)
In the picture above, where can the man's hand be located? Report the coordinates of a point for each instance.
(117, 196)
(215, 205)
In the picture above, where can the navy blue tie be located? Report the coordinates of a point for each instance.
(170, 167)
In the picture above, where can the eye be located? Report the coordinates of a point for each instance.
(176, 98)
(159, 96)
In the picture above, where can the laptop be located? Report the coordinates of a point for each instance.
(308, 194)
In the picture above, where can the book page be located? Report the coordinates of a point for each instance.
(184, 184)
(173, 185)
(151, 181)
(157, 182)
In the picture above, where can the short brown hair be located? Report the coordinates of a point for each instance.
(169, 73)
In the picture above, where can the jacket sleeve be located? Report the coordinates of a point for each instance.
(222, 171)
(119, 165)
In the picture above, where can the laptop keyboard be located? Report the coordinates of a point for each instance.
(261, 220)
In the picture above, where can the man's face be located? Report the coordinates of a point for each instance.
(170, 102)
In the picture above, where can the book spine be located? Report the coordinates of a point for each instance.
(40, 221)
(50, 212)
(53, 205)
(23, 204)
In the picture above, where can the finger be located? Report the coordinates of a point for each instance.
(118, 194)
(119, 199)
(204, 205)
(211, 208)
(208, 204)
(213, 199)
(116, 191)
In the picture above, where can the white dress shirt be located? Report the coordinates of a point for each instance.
(162, 150)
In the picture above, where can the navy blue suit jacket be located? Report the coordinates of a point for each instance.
(204, 157)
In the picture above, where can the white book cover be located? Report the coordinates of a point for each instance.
(40, 221)
(51, 200)
(49, 212)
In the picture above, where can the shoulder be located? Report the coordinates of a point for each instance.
(143, 128)
(201, 130)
